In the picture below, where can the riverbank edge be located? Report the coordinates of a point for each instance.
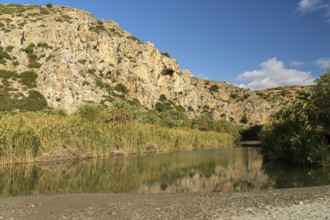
(293, 203)
(112, 154)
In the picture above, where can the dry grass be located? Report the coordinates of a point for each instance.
(32, 137)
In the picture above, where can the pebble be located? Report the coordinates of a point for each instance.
(31, 206)
(287, 204)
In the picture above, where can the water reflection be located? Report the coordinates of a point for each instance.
(227, 171)
(217, 170)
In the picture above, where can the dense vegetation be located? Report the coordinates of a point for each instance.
(300, 133)
(54, 135)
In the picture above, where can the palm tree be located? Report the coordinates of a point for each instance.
(119, 113)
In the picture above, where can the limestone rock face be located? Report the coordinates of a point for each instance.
(79, 59)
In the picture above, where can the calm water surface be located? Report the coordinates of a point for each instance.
(213, 170)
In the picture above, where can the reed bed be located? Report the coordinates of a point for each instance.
(36, 136)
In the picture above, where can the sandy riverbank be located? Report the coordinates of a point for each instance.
(299, 203)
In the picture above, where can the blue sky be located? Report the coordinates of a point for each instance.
(255, 43)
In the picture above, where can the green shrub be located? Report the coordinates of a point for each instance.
(207, 123)
(100, 83)
(6, 74)
(166, 54)
(58, 111)
(162, 98)
(90, 112)
(35, 14)
(91, 71)
(49, 58)
(7, 9)
(22, 24)
(246, 96)
(244, 120)
(29, 49)
(32, 58)
(4, 55)
(179, 108)
(15, 63)
(6, 30)
(85, 83)
(261, 95)
(206, 109)
(34, 102)
(82, 61)
(66, 17)
(29, 79)
(121, 88)
(214, 88)
(173, 118)
(44, 45)
(159, 107)
(6, 102)
(34, 65)
(135, 39)
(44, 11)
(9, 49)
(234, 96)
(59, 20)
(97, 29)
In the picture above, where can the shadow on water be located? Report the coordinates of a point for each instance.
(213, 170)
(285, 176)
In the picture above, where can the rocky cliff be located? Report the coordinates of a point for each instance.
(68, 57)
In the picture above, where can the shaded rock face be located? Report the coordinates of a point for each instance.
(79, 59)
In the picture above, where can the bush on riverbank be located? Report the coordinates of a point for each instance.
(300, 133)
(36, 136)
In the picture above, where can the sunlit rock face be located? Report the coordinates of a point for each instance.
(79, 59)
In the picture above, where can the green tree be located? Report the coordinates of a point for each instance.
(173, 118)
(300, 133)
(119, 113)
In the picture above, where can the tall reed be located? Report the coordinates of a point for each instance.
(31, 137)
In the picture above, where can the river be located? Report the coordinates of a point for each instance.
(211, 170)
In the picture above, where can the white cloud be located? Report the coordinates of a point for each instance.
(241, 85)
(307, 6)
(296, 63)
(323, 63)
(202, 76)
(273, 73)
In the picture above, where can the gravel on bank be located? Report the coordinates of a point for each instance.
(297, 203)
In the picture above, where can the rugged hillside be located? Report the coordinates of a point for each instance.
(64, 57)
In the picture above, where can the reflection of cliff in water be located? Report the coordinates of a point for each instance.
(242, 173)
(219, 170)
